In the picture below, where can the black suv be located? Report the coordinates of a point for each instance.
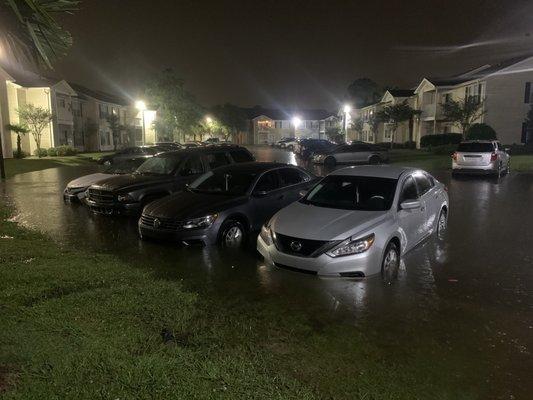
(159, 176)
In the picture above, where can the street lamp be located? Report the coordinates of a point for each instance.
(141, 106)
(296, 121)
(347, 108)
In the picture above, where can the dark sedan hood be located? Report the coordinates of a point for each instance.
(129, 182)
(186, 204)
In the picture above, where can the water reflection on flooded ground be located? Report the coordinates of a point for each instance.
(472, 290)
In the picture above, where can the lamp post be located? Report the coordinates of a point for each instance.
(141, 106)
(296, 122)
(347, 108)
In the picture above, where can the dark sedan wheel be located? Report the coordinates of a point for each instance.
(374, 160)
(330, 161)
(232, 234)
(391, 263)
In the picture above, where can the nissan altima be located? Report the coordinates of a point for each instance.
(357, 221)
(225, 204)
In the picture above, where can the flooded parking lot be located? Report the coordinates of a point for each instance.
(471, 291)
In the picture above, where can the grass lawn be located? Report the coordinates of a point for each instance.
(85, 326)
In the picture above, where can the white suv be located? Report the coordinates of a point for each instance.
(481, 157)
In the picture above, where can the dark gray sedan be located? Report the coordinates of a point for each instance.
(226, 204)
(356, 153)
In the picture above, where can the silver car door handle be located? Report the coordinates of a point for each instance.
(422, 208)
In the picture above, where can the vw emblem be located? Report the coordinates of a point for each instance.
(296, 246)
(157, 223)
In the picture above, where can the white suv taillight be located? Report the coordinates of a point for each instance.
(493, 157)
(454, 156)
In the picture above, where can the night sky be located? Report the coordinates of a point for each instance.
(288, 53)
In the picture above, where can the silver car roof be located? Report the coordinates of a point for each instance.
(378, 171)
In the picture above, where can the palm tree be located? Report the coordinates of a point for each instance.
(19, 130)
(30, 32)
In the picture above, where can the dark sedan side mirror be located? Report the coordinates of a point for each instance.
(410, 205)
(260, 193)
(302, 193)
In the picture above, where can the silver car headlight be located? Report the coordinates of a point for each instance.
(266, 234)
(203, 222)
(352, 245)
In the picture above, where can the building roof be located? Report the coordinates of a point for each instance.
(29, 79)
(401, 92)
(478, 72)
(98, 95)
(277, 114)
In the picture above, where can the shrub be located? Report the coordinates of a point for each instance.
(440, 139)
(481, 132)
(52, 152)
(21, 154)
(520, 149)
(446, 149)
(66, 151)
(40, 153)
(410, 144)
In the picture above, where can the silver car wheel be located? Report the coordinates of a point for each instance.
(442, 224)
(233, 237)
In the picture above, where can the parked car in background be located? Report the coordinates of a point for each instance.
(481, 157)
(308, 148)
(282, 141)
(75, 189)
(226, 204)
(356, 153)
(289, 144)
(356, 222)
(159, 176)
(169, 145)
(212, 140)
(131, 153)
(192, 144)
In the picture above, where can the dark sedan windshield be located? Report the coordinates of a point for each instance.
(224, 182)
(353, 193)
(159, 165)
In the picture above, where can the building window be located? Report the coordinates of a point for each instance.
(62, 103)
(528, 93)
(278, 124)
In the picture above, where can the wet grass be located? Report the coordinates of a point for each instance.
(16, 166)
(79, 325)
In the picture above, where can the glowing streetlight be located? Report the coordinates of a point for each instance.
(209, 120)
(347, 108)
(141, 106)
(296, 121)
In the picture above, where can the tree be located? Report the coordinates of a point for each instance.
(463, 113)
(357, 125)
(230, 118)
(334, 134)
(19, 130)
(30, 32)
(373, 122)
(177, 110)
(113, 121)
(394, 115)
(36, 119)
(529, 126)
(364, 91)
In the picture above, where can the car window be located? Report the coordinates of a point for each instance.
(215, 160)
(159, 166)
(292, 176)
(268, 182)
(474, 147)
(223, 182)
(409, 190)
(241, 156)
(192, 166)
(423, 183)
(359, 147)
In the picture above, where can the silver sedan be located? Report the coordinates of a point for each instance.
(356, 222)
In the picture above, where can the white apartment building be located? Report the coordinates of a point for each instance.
(267, 126)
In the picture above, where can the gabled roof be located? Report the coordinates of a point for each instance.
(276, 114)
(98, 95)
(30, 79)
(401, 92)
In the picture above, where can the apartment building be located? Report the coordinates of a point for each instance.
(504, 89)
(267, 126)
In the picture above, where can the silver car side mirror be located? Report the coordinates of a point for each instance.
(410, 205)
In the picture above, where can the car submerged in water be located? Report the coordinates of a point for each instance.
(356, 222)
(226, 204)
(159, 176)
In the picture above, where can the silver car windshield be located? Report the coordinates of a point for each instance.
(353, 193)
(224, 182)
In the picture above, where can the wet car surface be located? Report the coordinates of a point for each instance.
(472, 291)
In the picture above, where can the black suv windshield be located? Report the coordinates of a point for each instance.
(475, 147)
(353, 193)
(159, 165)
(224, 182)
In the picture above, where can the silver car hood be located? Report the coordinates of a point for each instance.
(320, 223)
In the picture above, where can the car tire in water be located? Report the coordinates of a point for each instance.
(374, 160)
(390, 264)
(442, 223)
(330, 161)
(232, 234)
